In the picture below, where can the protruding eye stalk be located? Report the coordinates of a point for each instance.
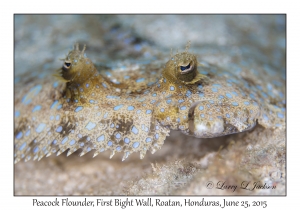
(67, 65)
(182, 68)
(186, 69)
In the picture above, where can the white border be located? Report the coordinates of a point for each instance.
(8, 201)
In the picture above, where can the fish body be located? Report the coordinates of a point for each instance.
(80, 108)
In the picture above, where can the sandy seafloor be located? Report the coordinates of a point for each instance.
(184, 165)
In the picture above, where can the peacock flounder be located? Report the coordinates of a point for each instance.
(82, 109)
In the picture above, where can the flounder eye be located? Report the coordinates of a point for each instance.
(186, 69)
(183, 68)
(67, 65)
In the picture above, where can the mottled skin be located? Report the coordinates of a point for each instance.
(87, 110)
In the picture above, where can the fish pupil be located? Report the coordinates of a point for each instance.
(183, 68)
(68, 64)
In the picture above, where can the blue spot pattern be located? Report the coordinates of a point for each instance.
(135, 130)
(116, 108)
(40, 127)
(37, 108)
(90, 125)
(130, 108)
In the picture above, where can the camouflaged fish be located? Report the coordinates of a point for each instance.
(83, 109)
